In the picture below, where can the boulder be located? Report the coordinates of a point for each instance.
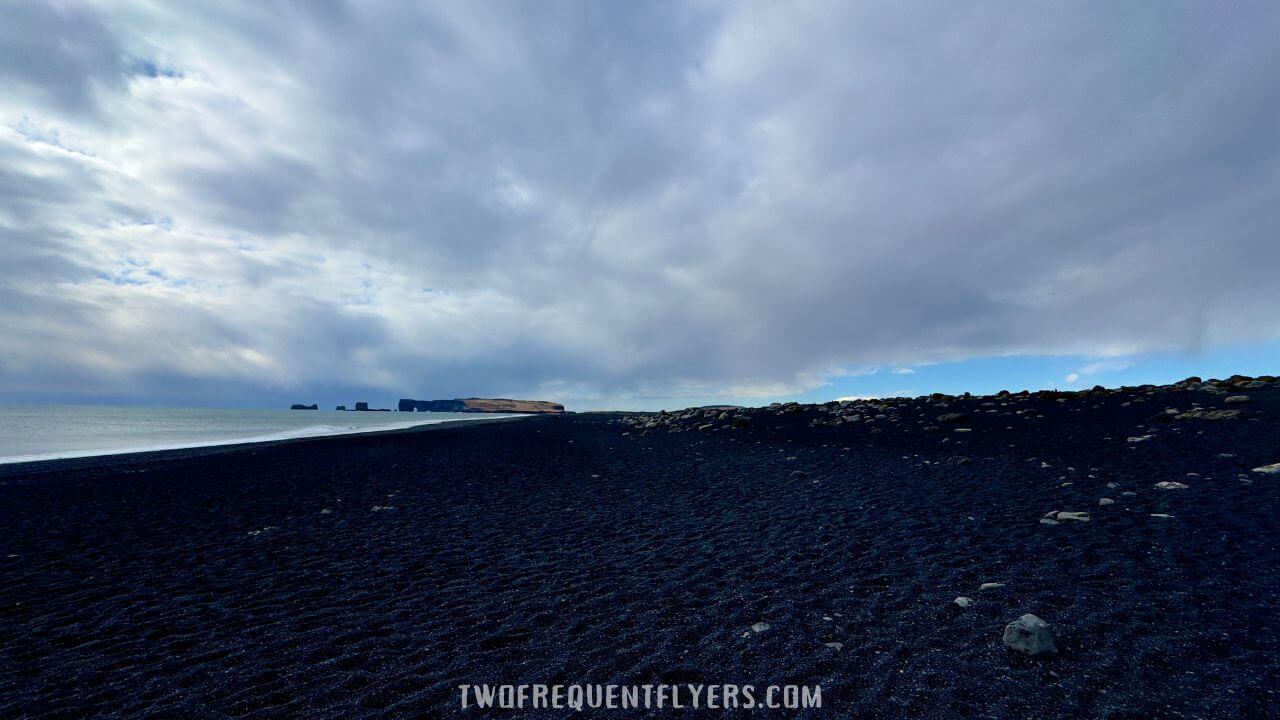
(955, 417)
(1029, 635)
(1237, 399)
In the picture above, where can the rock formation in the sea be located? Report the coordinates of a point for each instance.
(341, 407)
(362, 406)
(300, 406)
(480, 405)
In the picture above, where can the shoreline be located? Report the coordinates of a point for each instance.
(113, 458)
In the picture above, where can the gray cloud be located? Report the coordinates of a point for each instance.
(623, 201)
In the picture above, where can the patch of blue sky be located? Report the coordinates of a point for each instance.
(984, 376)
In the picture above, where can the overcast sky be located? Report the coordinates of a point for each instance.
(622, 204)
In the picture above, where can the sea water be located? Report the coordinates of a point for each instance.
(48, 432)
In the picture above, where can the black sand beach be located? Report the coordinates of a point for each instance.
(370, 576)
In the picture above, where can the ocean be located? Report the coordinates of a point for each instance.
(49, 432)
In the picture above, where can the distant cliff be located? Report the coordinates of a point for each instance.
(480, 405)
(300, 406)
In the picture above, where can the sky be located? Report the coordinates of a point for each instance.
(632, 205)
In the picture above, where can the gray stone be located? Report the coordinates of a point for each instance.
(1272, 469)
(1237, 399)
(1170, 485)
(1029, 635)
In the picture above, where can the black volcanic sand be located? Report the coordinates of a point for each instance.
(581, 549)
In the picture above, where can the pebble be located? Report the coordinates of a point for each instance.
(1170, 485)
(963, 601)
(1106, 501)
(990, 586)
(760, 627)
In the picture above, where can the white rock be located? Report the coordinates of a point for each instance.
(963, 601)
(1237, 399)
(1272, 469)
(1048, 521)
(1060, 515)
(1106, 501)
(760, 627)
(1029, 634)
(990, 586)
(1138, 438)
(1161, 515)
(1170, 485)
(1129, 493)
(834, 645)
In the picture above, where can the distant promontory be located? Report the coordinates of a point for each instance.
(480, 405)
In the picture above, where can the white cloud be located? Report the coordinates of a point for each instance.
(903, 371)
(459, 199)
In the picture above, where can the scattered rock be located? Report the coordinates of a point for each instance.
(1029, 635)
(381, 508)
(1272, 469)
(990, 586)
(963, 601)
(1061, 515)
(1202, 414)
(760, 627)
(834, 645)
(955, 417)
(1138, 438)
(1106, 501)
(1237, 399)
(1170, 485)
